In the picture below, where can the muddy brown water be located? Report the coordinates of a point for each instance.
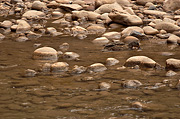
(66, 97)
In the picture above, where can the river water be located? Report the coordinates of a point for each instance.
(68, 97)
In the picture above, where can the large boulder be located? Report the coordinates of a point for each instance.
(171, 5)
(45, 53)
(23, 26)
(38, 5)
(142, 61)
(173, 64)
(125, 19)
(167, 26)
(107, 8)
(31, 14)
(102, 2)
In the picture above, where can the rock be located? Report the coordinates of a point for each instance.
(78, 69)
(173, 39)
(53, 4)
(57, 15)
(112, 35)
(139, 35)
(111, 61)
(150, 31)
(125, 3)
(169, 27)
(102, 2)
(30, 73)
(131, 84)
(89, 15)
(169, 20)
(97, 67)
(104, 86)
(96, 29)
(142, 61)
(64, 46)
(130, 11)
(171, 5)
(1, 36)
(78, 30)
(70, 56)
(70, 7)
(143, 2)
(32, 35)
(21, 39)
(38, 5)
(154, 12)
(107, 8)
(125, 19)
(14, 27)
(130, 39)
(23, 26)
(178, 85)
(6, 24)
(46, 67)
(173, 64)
(171, 73)
(63, 1)
(100, 40)
(45, 53)
(137, 105)
(32, 14)
(127, 31)
(59, 67)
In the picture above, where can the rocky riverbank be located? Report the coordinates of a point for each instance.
(111, 26)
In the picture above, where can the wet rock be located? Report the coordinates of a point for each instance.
(150, 31)
(131, 84)
(130, 39)
(104, 86)
(173, 64)
(23, 26)
(111, 61)
(32, 14)
(78, 30)
(142, 61)
(70, 7)
(30, 73)
(64, 46)
(57, 15)
(173, 39)
(45, 53)
(107, 8)
(171, 73)
(63, 1)
(137, 105)
(78, 69)
(125, 19)
(6, 24)
(38, 5)
(102, 2)
(1, 36)
(169, 27)
(71, 56)
(59, 67)
(100, 40)
(88, 78)
(154, 12)
(112, 35)
(171, 5)
(139, 35)
(97, 67)
(21, 39)
(127, 31)
(96, 29)
(32, 35)
(46, 67)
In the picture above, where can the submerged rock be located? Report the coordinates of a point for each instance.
(171, 73)
(30, 73)
(142, 61)
(78, 69)
(111, 61)
(45, 53)
(173, 64)
(131, 84)
(97, 67)
(104, 86)
(59, 67)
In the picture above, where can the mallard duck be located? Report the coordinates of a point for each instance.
(120, 46)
